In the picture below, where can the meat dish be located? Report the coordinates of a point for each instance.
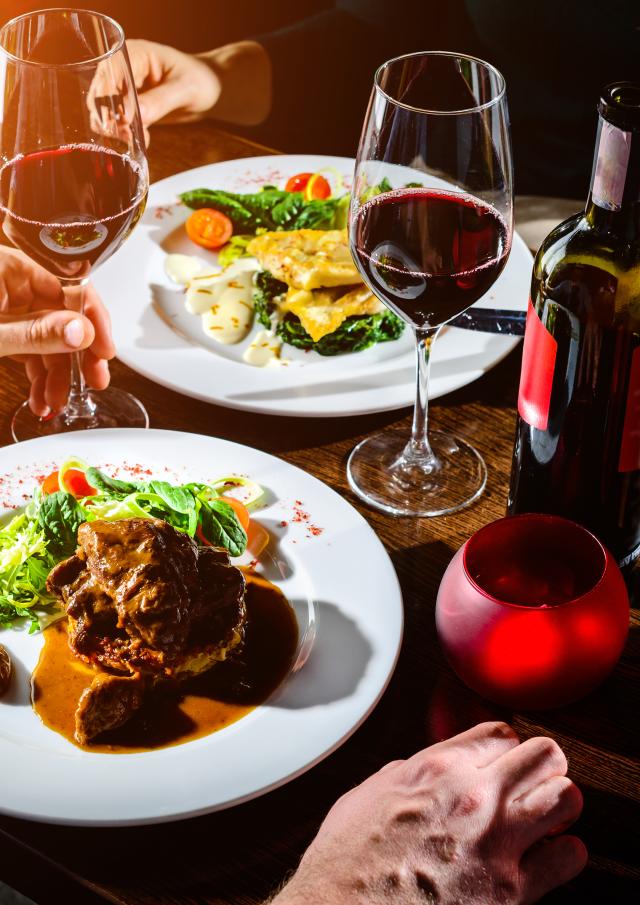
(145, 605)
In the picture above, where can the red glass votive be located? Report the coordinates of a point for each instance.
(532, 611)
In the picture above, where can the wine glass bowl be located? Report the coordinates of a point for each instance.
(430, 230)
(532, 612)
(73, 173)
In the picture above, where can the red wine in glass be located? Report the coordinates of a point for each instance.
(429, 254)
(71, 207)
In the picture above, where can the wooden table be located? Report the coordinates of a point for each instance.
(241, 855)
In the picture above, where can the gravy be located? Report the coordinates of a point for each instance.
(199, 706)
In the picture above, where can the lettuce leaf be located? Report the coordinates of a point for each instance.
(24, 565)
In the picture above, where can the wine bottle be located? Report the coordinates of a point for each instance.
(577, 447)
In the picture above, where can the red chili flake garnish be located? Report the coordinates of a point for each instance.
(163, 210)
(253, 563)
(314, 531)
(283, 524)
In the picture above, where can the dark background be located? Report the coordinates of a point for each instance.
(192, 25)
(556, 56)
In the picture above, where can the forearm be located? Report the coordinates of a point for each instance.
(245, 75)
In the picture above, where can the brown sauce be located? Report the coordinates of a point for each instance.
(199, 706)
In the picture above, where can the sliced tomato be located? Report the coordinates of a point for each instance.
(298, 183)
(317, 188)
(74, 479)
(209, 228)
(50, 483)
(77, 483)
(240, 510)
(202, 538)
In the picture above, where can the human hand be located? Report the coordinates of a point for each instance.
(172, 86)
(461, 823)
(37, 329)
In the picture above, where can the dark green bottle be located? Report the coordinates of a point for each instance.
(577, 449)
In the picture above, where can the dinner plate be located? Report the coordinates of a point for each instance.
(157, 337)
(326, 560)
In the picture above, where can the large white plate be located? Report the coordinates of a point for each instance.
(342, 585)
(155, 335)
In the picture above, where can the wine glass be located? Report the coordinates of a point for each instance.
(430, 229)
(73, 174)
(533, 611)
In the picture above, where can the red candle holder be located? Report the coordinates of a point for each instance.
(532, 612)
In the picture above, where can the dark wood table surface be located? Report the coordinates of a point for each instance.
(243, 854)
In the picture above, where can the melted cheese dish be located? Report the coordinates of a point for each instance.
(321, 311)
(307, 258)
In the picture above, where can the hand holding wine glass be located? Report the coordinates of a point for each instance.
(37, 330)
(73, 174)
(430, 225)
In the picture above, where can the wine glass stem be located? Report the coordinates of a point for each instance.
(80, 407)
(418, 449)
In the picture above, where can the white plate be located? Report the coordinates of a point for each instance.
(343, 588)
(155, 335)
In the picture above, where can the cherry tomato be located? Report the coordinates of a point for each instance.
(317, 188)
(298, 183)
(50, 483)
(240, 510)
(314, 186)
(209, 228)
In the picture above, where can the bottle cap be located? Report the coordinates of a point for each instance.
(620, 105)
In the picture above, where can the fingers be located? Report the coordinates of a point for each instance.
(550, 864)
(26, 285)
(46, 333)
(95, 370)
(483, 743)
(37, 374)
(57, 381)
(102, 346)
(547, 809)
(528, 765)
(158, 102)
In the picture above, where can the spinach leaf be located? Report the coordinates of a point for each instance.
(60, 515)
(105, 484)
(271, 209)
(177, 499)
(220, 526)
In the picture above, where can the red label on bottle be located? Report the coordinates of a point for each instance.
(630, 447)
(536, 378)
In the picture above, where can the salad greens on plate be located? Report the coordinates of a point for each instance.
(46, 531)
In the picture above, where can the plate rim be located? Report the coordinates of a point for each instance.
(192, 390)
(178, 815)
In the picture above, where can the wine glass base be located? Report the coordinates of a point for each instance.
(110, 408)
(381, 475)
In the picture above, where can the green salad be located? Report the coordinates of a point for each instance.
(46, 531)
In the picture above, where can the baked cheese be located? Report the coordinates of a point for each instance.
(307, 258)
(322, 311)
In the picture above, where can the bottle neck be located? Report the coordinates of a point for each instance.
(614, 197)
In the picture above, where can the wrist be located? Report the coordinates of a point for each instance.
(243, 70)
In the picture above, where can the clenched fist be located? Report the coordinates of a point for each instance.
(465, 822)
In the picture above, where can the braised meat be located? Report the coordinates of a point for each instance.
(5, 670)
(106, 704)
(143, 599)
